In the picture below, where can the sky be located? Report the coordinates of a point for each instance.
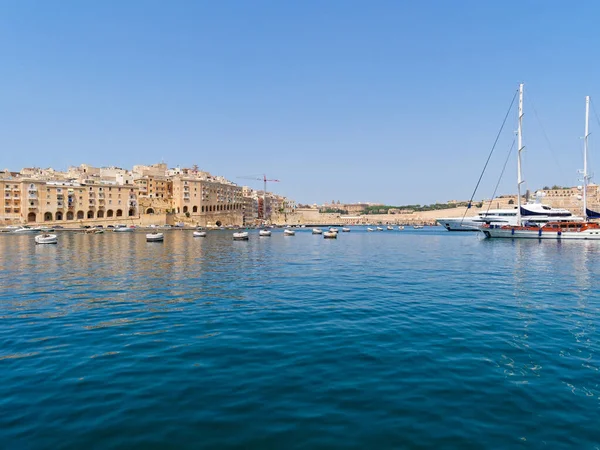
(397, 102)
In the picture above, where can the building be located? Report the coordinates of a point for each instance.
(35, 201)
(208, 202)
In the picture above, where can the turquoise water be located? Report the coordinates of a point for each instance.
(403, 339)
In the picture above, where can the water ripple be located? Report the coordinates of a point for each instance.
(407, 339)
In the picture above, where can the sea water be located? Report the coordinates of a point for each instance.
(394, 339)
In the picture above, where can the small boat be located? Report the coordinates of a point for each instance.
(265, 233)
(345, 230)
(240, 236)
(370, 229)
(123, 230)
(155, 237)
(98, 231)
(417, 227)
(330, 235)
(333, 229)
(46, 238)
(288, 232)
(390, 228)
(199, 233)
(379, 229)
(401, 227)
(26, 229)
(317, 231)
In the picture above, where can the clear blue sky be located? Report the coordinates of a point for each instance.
(390, 101)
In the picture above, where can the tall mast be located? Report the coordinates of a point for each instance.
(265, 198)
(585, 154)
(520, 147)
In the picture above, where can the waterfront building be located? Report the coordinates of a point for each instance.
(208, 201)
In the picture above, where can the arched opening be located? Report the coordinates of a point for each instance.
(100, 214)
(58, 215)
(69, 215)
(185, 209)
(149, 211)
(90, 214)
(119, 213)
(195, 209)
(218, 223)
(109, 213)
(131, 212)
(31, 217)
(79, 215)
(47, 217)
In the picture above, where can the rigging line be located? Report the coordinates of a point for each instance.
(544, 132)
(490, 155)
(501, 175)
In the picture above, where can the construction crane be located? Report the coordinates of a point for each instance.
(264, 180)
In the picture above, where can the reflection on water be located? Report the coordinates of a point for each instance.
(374, 340)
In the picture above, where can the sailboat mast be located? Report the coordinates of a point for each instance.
(265, 198)
(585, 153)
(520, 147)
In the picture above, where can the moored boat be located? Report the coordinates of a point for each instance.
(123, 229)
(370, 229)
(551, 230)
(199, 233)
(345, 230)
(330, 235)
(317, 231)
(265, 233)
(288, 232)
(27, 229)
(379, 229)
(155, 237)
(333, 229)
(240, 236)
(46, 238)
(390, 228)
(418, 227)
(401, 227)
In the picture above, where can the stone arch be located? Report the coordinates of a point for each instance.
(31, 217)
(119, 213)
(47, 217)
(195, 209)
(131, 212)
(58, 215)
(109, 213)
(185, 209)
(90, 214)
(100, 214)
(79, 215)
(69, 215)
(150, 211)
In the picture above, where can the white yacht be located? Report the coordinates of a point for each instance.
(317, 231)
(534, 212)
(264, 233)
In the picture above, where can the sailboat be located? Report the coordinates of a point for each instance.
(577, 229)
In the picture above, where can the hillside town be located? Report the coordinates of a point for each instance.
(156, 195)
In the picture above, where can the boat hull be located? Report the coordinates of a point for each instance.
(516, 233)
(46, 239)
